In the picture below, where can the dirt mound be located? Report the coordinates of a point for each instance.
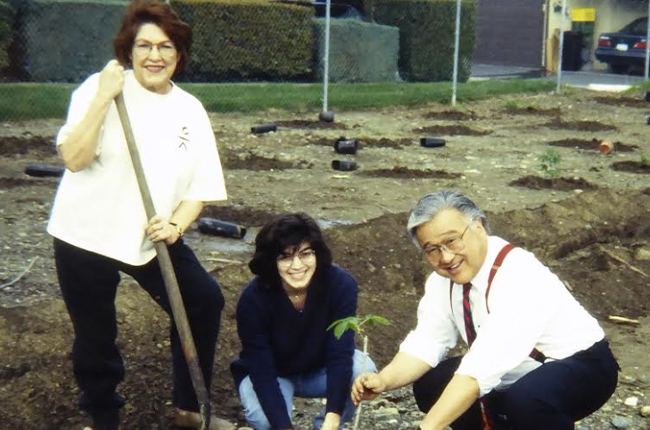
(623, 101)
(452, 115)
(35, 145)
(406, 173)
(365, 142)
(255, 162)
(452, 130)
(244, 216)
(591, 145)
(632, 166)
(312, 124)
(560, 184)
(559, 123)
(386, 143)
(532, 110)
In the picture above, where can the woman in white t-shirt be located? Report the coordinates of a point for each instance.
(98, 219)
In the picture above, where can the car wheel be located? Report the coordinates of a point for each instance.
(619, 69)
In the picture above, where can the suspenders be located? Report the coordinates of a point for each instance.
(535, 354)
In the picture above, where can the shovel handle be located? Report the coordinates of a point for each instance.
(167, 269)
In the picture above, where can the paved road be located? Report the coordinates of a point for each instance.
(585, 79)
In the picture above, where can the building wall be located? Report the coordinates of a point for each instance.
(510, 32)
(611, 15)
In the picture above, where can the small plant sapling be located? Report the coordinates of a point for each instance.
(359, 325)
(645, 161)
(550, 163)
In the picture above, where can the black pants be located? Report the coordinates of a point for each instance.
(89, 284)
(553, 396)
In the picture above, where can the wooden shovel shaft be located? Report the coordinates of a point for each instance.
(169, 277)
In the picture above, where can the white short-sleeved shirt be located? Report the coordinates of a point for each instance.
(100, 208)
(529, 308)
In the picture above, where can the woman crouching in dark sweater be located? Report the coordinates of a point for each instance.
(282, 319)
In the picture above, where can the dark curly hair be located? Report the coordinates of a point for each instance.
(155, 12)
(288, 230)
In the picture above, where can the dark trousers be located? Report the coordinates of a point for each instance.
(89, 284)
(553, 396)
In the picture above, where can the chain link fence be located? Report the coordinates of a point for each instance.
(64, 41)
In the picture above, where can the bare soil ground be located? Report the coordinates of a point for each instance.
(590, 224)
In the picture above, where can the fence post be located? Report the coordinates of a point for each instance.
(647, 47)
(454, 84)
(561, 49)
(326, 59)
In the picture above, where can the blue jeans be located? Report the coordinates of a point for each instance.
(310, 385)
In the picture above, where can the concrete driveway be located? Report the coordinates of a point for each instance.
(597, 80)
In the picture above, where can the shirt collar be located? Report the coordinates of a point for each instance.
(494, 246)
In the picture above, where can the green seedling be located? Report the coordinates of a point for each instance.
(644, 159)
(359, 326)
(550, 163)
(512, 105)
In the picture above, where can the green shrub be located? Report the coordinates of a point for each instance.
(6, 34)
(427, 30)
(252, 39)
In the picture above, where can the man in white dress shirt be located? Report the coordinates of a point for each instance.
(536, 358)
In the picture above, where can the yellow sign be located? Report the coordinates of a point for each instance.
(583, 15)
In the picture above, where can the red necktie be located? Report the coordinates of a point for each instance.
(467, 315)
(486, 422)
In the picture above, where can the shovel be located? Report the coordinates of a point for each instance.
(169, 277)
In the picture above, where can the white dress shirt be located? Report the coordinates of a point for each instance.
(529, 308)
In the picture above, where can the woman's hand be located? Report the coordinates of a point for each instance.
(111, 81)
(367, 387)
(160, 229)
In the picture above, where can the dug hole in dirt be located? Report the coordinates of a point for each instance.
(589, 223)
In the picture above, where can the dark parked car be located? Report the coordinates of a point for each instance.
(625, 49)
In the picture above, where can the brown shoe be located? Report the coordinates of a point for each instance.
(189, 419)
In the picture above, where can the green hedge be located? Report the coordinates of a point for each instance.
(251, 39)
(427, 36)
(6, 34)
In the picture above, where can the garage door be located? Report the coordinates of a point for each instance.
(510, 32)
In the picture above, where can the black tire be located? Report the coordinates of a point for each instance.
(44, 170)
(216, 227)
(432, 142)
(344, 165)
(327, 116)
(263, 128)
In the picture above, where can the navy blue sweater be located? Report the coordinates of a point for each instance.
(278, 340)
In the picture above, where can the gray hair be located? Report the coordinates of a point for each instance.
(432, 204)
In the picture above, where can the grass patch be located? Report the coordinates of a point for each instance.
(35, 101)
(641, 87)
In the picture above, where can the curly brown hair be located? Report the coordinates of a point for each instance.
(152, 12)
(288, 230)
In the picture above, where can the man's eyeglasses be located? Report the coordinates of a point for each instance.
(453, 245)
(166, 50)
(306, 256)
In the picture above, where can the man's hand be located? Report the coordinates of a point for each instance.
(160, 229)
(367, 387)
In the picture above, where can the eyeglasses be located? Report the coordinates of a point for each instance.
(167, 50)
(452, 245)
(306, 256)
